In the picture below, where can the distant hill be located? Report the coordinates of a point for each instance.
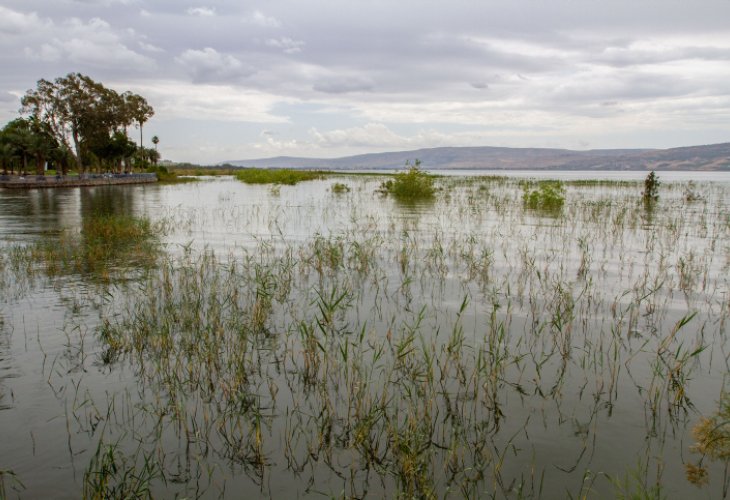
(710, 157)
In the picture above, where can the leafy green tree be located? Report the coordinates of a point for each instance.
(25, 139)
(114, 152)
(84, 116)
(19, 137)
(7, 153)
(66, 106)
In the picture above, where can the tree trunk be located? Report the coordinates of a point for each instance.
(39, 164)
(77, 156)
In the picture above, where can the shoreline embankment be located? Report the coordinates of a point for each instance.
(49, 181)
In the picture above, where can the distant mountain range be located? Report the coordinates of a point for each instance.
(711, 157)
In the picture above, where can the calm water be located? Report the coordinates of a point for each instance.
(568, 175)
(564, 373)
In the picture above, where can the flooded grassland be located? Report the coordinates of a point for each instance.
(218, 339)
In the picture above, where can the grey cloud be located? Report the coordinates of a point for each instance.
(343, 86)
(7, 97)
(620, 88)
(149, 47)
(107, 2)
(394, 59)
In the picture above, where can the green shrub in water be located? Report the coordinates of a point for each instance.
(651, 187)
(339, 187)
(547, 195)
(413, 184)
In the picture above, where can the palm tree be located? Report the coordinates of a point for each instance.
(153, 156)
(155, 141)
(138, 109)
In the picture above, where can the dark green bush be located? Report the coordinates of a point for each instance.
(546, 195)
(651, 187)
(165, 176)
(339, 188)
(413, 184)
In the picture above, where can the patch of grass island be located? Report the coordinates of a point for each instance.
(277, 175)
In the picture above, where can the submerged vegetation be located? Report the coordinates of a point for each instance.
(276, 176)
(712, 442)
(105, 245)
(461, 348)
(340, 187)
(546, 195)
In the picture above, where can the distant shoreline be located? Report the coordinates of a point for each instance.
(711, 157)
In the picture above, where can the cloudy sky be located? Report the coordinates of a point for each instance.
(235, 80)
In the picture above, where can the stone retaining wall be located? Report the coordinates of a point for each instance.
(49, 181)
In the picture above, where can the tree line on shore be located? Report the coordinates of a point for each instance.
(76, 123)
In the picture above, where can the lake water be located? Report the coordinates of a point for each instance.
(294, 341)
(567, 175)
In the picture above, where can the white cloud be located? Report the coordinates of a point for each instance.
(258, 18)
(519, 47)
(374, 137)
(17, 23)
(286, 44)
(659, 51)
(201, 11)
(92, 42)
(210, 65)
(371, 134)
(175, 100)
